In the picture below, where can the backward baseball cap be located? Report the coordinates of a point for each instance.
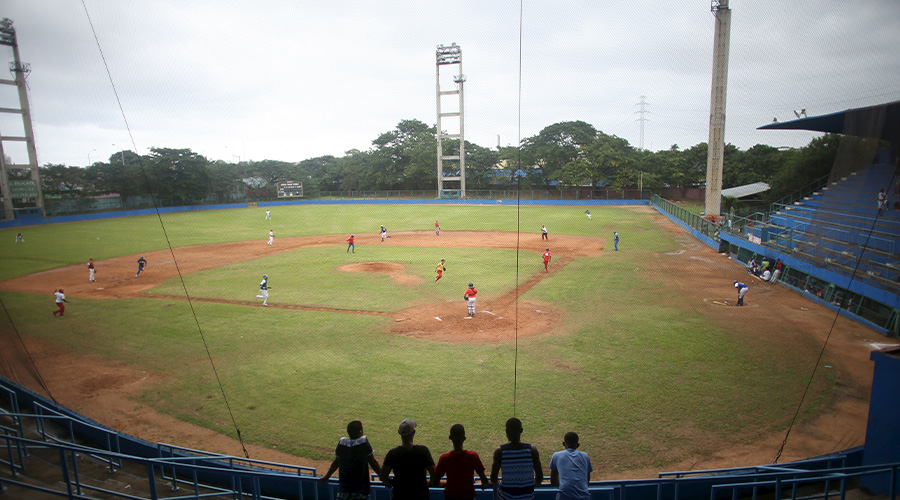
(407, 427)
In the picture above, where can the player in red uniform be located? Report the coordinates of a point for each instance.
(469, 295)
(350, 244)
(546, 259)
(60, 299)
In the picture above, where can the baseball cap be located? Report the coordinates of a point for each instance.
(265, 275)
(471, 284)
(407, 427)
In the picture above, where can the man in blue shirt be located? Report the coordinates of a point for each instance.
(570, 470)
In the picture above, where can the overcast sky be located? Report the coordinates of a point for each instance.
(296, 79)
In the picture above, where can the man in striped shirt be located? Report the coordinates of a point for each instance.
(520, 464)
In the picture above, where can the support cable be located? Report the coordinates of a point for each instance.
(165, 233)
(518, 215)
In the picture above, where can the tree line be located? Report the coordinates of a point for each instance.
(561, 156)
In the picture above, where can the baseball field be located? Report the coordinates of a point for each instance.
(638, 350)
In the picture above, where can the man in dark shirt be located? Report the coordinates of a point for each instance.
(409, 463)
(353, 456)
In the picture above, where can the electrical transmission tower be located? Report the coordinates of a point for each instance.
(716, 153)
(642, 112)
(29, 191)
(455, 182)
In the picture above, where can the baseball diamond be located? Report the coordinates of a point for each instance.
(630, 328)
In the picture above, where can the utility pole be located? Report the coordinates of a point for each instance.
(642, 111)
(716, 150)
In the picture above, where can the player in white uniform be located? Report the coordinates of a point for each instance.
(264, 290)
(271, 236)
(268, 215)
(383, 233)
(91, 269)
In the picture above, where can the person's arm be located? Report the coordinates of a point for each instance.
(538, 471)
(495, 467)
(385, 476)
(554, 477)
(437, 474)
(431, 474)
(373, 463)
(334, 467)
(485, 482)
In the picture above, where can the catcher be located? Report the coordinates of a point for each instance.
(440, 270)
(469, 297)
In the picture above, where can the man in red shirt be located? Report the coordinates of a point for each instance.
(469, 296)
(546, 259)
(459, 465)
(350, 244)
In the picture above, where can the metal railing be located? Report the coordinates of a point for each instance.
(698, 223)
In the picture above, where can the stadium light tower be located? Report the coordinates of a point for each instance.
(716, 150)
(444, 56)
(20, 188)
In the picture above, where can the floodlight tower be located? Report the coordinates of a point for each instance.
(716, 152)
(445, 56)
(18, 188)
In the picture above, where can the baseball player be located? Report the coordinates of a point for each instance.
(264, 290)
(271, 236)
(616, 240)
(437, 228)
(91, 270)
(350, 244)
(141, 263)
(544, 233)
(383, 233)
(546, 259)
(588, 213)
(19, 238)
(469, 297)
(60, 298)
(439, 270)
(742, 290)
(268, 215)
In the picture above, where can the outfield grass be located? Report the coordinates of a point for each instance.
(636, 376)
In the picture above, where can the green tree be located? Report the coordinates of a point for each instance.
(403, 158)
(225, 180)
(557, 146)
(64, 182)
(178, 175)
(482, 171)
(125, 175)
(612, 160)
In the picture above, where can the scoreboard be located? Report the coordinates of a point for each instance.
(290, 189)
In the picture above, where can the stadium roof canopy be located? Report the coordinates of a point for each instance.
(745, 190)
(881, 121)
